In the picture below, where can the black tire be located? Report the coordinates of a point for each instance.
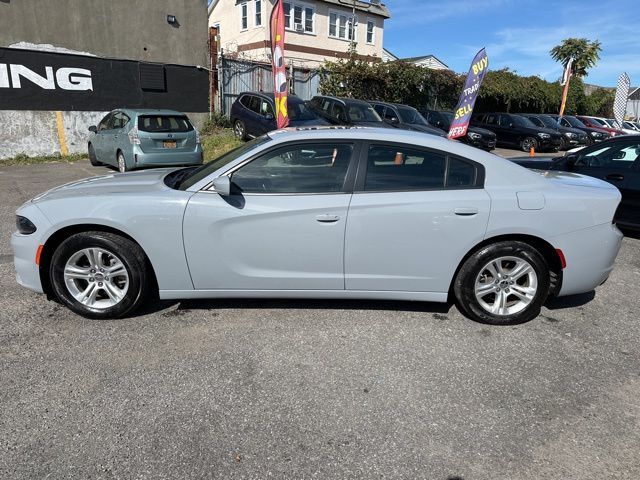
(127, 251)
(240, 130)
(527, 143)
(565, 144)
(465, 282)
(121, 162)
(92, 157)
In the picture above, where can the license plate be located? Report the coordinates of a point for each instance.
(169, 144)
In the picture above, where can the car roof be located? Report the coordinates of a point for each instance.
(380, 102)
(149, 111)
(267, 95)
(345, 100)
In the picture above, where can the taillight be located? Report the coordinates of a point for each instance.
(563, 260)
(134, 138)
(197, 137)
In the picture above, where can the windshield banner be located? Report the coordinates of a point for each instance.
(280, 83)
(462, 114)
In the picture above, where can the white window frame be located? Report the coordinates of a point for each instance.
(257, 10)
(373, 31)
(347, 16)
(303, 6)
(244, 6)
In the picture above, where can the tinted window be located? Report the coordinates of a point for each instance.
(362, 113)
(299, 111)
(244, 100)
(574, 122)
(522, 121)
(164, 123)
(460, 174)
(536, 121)
(392, 168)
(491, 119)
(379, 109)
(548, 121)
(616, 156)
(411, 116)
(312, 168)
(339, 112)
(265, 108)
(105, 122)
(254, 104)
(505, 120)
(389, 113)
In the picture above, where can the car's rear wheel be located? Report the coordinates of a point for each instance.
(99, 274)
(503, 283)
(527, 143)
(240, 130)
(92, 156)
(122, 163)
(565, 144)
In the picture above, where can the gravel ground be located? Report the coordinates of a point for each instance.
(298, 389)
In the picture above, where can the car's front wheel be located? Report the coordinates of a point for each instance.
(99, 274)
(527, 143)
(503, 283)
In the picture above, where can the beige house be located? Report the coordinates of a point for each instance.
(316, 30)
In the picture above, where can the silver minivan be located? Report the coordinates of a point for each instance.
(130, 139)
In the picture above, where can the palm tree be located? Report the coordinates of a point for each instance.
(584, 52)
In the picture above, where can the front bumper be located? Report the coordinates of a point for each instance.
(590, 255)
(483, 143)
(25, 248)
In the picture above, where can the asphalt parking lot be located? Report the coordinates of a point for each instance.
(322, 389)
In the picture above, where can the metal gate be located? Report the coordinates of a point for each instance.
(237, 76)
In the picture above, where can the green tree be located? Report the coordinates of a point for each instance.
(585, 54)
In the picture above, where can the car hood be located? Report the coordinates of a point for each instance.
(113, 183)
(482, 131)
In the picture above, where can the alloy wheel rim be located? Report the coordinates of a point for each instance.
(96, 278)
(121, 163)
(239, 129)
(506, 286)
(528, 144)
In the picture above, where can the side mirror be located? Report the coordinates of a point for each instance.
(394, 120)
(268, 116)
(222, 186)
(93, 129)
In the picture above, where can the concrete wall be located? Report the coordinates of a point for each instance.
(227, 15)
(45, 133)
(127, 29)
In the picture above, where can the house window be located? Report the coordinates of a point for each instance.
(299, 17)
(342, 26)
(258, 5)
(371, 25)
(244, 22)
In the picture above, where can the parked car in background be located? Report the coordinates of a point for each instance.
(253, 114)
(129, 139)
(632, 126)
(571, 137)
(517, 131)
(324, 213)
(627, 129)
(616, 160)
(599, 123)
(404, 117)
(347, 111)
(476, 137)
(595, 134)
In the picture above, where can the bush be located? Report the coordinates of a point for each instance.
(215, 122)
(502, 90)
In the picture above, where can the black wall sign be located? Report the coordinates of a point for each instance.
(33, 80)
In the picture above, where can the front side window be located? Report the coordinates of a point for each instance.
(616, 156)
(258, 17)
(105, 122)
(505, 121)
(296, 169)
(536, 121)
(371, 32)
(244, 17)
(265, 108)
(364, 113)
(391, 168)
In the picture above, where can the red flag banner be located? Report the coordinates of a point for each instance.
(280, 83)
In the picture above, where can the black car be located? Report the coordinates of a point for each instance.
(595, 134)
(404, 117)
(252, 114)
(571, 137)
(516, 131)
(477, 137)
(346, 111)
(616, 161)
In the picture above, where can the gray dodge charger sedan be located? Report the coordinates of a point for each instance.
(324, 213)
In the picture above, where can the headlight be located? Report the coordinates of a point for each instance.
(571, 135)
(544, 135)
(595, 134)
(24, 225)
(475, 136)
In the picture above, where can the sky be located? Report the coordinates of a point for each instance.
(517, 34)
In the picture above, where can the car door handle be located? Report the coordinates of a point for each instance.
(466, 211)
(326, 218)
(615, 176)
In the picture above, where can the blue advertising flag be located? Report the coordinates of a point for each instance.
(462, 114)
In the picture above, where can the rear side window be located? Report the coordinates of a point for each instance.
(491, 120)
(397, 168)
(244, 100)
(505, 120)
(164, 123)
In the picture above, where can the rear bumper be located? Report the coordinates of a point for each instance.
(167, 159)
(590, 255)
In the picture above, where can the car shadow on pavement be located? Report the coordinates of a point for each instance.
(296, 304)
(570, 301)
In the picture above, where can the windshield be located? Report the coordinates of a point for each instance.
(208, 168)
(599, 122)
(523, 122)
(548, 121)
(411, 116)
(574, 122)
(448, 118)
(299, 111)
(362, 113)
